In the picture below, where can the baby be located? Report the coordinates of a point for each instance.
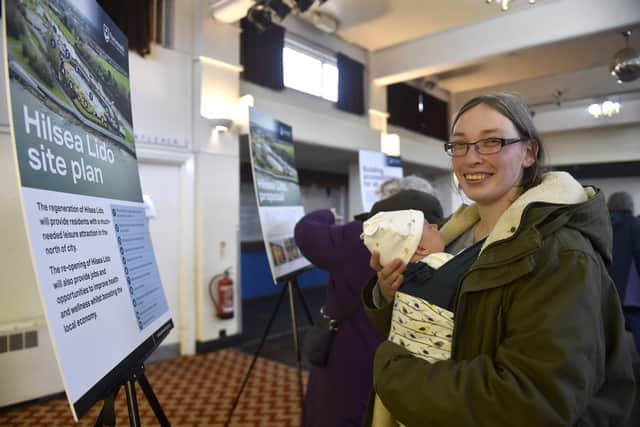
(422, 317)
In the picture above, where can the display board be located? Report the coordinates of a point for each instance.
(70, 115)
(375, 168)
(277, 192)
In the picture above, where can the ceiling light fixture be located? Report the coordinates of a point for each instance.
(390, 144)
(324, 21)
(607, 108)
(625, 64)
(229, 11)
(504, 4)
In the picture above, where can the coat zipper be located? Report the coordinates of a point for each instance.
(459, 297)
(459, 294)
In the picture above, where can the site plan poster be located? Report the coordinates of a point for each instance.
(376, 168)
(277, 192)
(70, 113)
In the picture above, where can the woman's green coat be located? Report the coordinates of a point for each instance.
(539, 335)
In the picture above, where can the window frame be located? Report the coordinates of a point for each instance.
(316, 52)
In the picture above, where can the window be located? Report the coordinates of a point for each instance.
(310, 70)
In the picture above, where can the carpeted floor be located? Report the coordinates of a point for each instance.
(193, 391)
(199, 390)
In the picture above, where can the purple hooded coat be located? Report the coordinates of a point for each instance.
(337, 395)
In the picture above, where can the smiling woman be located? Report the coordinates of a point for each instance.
(538, 335)
(492, 180)
(516, 112)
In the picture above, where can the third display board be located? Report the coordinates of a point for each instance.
(376, 168)
(277, 192)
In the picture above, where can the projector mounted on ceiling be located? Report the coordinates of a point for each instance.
(324, 21)
(265, 12)
(229, 11)
(625, 65)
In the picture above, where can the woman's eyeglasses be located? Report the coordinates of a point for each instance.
(484, 146)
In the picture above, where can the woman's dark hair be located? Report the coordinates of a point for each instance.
(515, 109)
(620, 201)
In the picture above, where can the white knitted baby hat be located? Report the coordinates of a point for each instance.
(395, 234)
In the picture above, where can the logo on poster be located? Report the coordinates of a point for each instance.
(106, 32)
(111, 40)
(393, 161)
(284, 132)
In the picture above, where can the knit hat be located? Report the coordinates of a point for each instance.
(394, 234)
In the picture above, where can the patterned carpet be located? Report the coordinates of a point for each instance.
(193, 391)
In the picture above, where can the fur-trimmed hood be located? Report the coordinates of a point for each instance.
(583, 209)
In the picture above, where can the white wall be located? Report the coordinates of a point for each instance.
(161, 105)
(29, 373)
(162, 184)
(167, 175)
(574, 116)
(217, 169)
(217, 243)
(19, 298)
(20, 307)
(161, 94)
(599, 145)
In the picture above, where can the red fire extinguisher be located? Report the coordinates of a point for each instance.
(221, 292)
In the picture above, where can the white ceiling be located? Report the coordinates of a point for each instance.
(563, 57)
(377, 24)
(577, 67)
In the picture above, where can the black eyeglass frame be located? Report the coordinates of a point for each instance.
(448, 146)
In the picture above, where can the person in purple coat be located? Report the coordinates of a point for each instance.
(338, 393)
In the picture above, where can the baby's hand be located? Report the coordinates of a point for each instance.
(390, 277)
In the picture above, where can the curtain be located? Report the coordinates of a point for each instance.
(261, 55)
(350, 85)
(134, 20)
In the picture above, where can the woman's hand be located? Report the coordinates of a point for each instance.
(390, 277)
(335, 215)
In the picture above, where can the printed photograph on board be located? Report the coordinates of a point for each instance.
(273, 161)
(70, 94)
